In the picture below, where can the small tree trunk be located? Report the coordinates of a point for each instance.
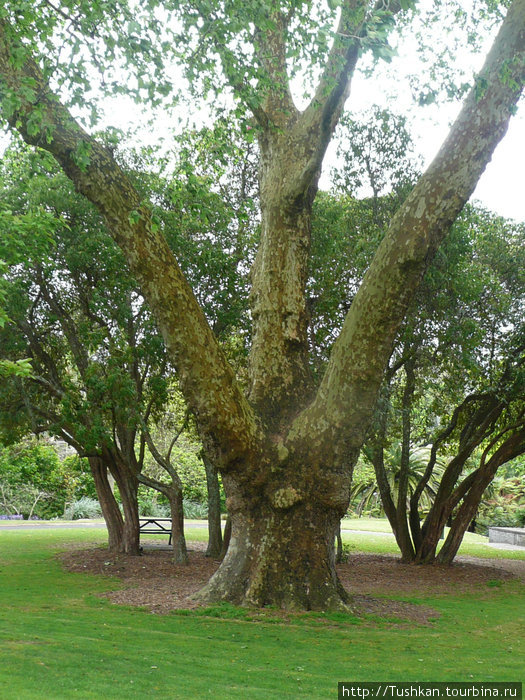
(456, 533)
(128, 484)
(426, 552)
(178, 541)
(512, 447)
(339, 551)
(402, 530)
(214, 510)
(108, 504)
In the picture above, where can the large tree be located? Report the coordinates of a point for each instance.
(286, 448)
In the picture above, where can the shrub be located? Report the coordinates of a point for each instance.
(85, 507)
(77, 478)
(24, 500)
(148, 508)
(194, 510)
(504, 505)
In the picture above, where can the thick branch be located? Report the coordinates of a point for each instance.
(348, 392)
(224, 416)
(323, 113)
(270, 49)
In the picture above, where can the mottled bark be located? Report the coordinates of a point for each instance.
(284, 526)
(251, 572)
(346, 397)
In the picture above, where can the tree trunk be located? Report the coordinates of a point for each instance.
(178, 541)
(128, 485)
(108, 504)
(402, 530)
(512, 447)
(214, 510)
(284, 558)
(130, 504)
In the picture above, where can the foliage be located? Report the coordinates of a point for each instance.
(192, 473)
(36, 479)
(376, 154)
(206, 203)
(195, 511)
(85, 507)
(99, 363)
(503, 505)
(32, 479)
(24, 500)
(78, 481)
(151, 504)
(465, 318)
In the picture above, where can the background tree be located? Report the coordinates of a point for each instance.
(99, 369)
(103, 304)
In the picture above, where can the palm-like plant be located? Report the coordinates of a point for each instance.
(366, 490)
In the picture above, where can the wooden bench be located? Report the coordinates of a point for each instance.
(155, 526)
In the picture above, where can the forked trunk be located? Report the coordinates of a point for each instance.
(284, 525)
(128, 489)
(280, 557)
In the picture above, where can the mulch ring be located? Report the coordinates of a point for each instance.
(152, 581)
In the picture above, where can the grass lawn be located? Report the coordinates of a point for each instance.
(59, 640)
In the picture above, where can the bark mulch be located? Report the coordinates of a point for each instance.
(152, 580)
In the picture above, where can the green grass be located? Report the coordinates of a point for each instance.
(59, 640)
(473, 545)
